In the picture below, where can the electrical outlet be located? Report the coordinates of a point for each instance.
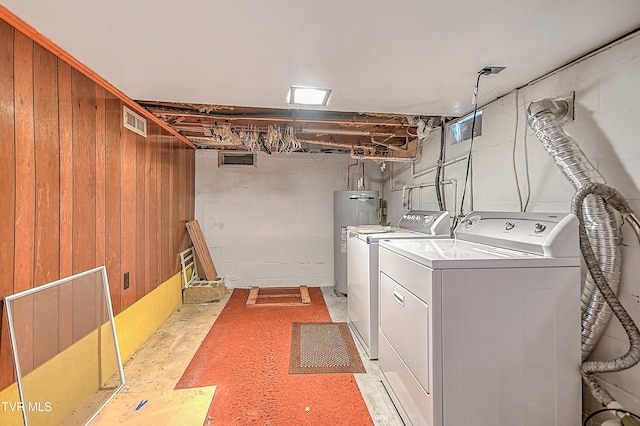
(126, 280)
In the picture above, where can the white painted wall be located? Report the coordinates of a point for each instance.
(606, 127)
(272, 225)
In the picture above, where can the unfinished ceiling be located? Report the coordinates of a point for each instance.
(386, 62)
(364, 135)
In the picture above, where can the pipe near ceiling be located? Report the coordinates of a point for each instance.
(346, 132)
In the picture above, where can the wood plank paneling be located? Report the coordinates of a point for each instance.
(100, 201)
(128, 194)
(25, 185)
(191, 188)
(83, 94)
(8, 191)
(182, 198)
(47, 223)
(165, 165)
(22, 310)
(65, 134)
(84, 172)
(158, 210)
(113, 187)
(100, 176)
(45, 326)
(175, 203)
(150, 193)
(47, 161)
(65, 131)
(140, 217)
(172, 206)
(25, 163)
(79, 191)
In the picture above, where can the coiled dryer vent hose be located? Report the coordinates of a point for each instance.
(631, 358)
(599, 219)
(593, 204)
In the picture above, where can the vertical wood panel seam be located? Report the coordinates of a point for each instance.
(35, 217)
(122, 272)
(35, 170)
(59, 193)
(72, 190)
(15, 160)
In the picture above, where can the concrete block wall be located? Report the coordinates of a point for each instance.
(272, 225)
(607, 113)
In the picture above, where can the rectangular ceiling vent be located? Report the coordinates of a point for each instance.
(135, 122)
(236, 158)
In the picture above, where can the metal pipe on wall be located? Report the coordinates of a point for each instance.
(433, 168)
(408, 188)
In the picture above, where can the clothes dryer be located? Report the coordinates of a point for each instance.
(484, 328)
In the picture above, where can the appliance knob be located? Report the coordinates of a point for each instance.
(540, 227)
(509, 226)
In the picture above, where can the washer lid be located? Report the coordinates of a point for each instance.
(451, 253)
(373, 234)
(370, 229)
(399, 234)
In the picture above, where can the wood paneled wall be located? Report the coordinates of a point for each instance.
(77, 190)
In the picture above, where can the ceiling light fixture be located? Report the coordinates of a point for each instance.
(308, 96)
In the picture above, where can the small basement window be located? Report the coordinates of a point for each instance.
(236, 158)
(461, 130)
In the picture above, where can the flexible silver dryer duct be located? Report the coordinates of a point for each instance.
(631, 358)
(599, 219)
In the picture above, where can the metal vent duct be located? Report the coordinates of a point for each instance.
(546, 118)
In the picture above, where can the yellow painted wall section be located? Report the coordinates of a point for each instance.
(133, 327)
(138, 322)
(83, 380)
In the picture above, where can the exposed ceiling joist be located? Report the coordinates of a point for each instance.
(244, 128)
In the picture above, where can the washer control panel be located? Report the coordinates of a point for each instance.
(532, 232)
(426, 222)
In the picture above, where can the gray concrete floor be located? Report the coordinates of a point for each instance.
(161, 360)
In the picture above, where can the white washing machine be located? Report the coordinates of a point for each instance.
(484, 329)
(362, 267)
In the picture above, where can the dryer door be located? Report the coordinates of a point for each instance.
(405, 322)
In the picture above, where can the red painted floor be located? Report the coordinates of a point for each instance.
(246, 355)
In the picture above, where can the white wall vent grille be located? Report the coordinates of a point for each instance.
(236, 159)
(135, 122)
